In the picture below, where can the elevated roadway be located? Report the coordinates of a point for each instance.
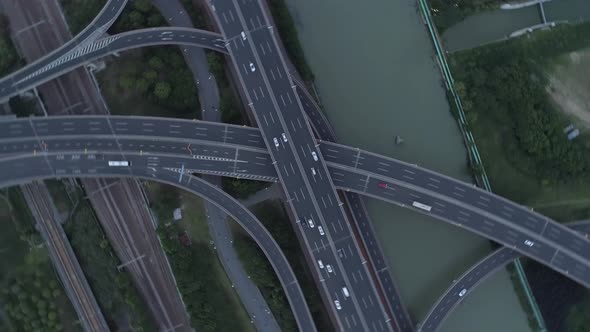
(89, 166)
(554, 245)
(101, 23)
(472, 278)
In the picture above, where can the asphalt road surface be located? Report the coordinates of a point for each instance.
(38, 167)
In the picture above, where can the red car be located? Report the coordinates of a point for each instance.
(382, 185)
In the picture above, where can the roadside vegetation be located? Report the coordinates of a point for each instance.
(508, 94)
(229, 105)
(273, 216)
(288, 34)
(79, 13)
(447, 13)
(241, 188)
(9, 59)
(31, 297)
(206, 290)
(115, 293)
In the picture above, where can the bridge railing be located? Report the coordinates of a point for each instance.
(474, 156)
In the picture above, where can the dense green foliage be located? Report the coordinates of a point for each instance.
(164, 79)
(228, 104)
(168, 199)
(506, 81)
(288, 34)
(9, 59)
(241, 188)
(203, 294)
(115, 293)
(274, 217)
(22, 106)
(196, 12)
(446, 13)
(578, 319)
(31, 296)
(80, 13)
(138, 14)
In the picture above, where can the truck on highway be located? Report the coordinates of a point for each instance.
(422, 206)
(119, 163)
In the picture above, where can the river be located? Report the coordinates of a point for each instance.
(490, 26)
(377, 78)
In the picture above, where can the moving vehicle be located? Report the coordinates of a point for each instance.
(314, 155)
(276, 141)
(310, 223)
(529, 243)
(345, 292)
(329, 268)
(382, 185)
(320, 264)
(313, 171)
(321, 229)
(463, 292)
(422, 206)
(119, 163)
(284, 137)
(243, 35)
(337, 304)
(252, 68)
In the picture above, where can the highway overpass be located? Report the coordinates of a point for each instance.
(472, 278)
(174, 141)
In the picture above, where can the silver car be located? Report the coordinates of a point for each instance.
(321, 229)
(314, 155)
(276, 141)
(337, 304)
(284, 137)
(252, 68)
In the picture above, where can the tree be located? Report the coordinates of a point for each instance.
(137, 19)
(162, 90)
(142, 85)
(156, 63)
(143, 6)
(126, 81)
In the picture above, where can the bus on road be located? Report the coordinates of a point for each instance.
(422, 206)
(121, 163)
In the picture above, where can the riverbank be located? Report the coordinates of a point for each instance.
(502, 87)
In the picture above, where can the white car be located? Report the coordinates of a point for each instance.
(529, 243)
(337, 304)
(321, 265)
(313, 171)
(276, 141)
(345, 292)
(252, 68)
(329, 268)
(321, 229)
(463, 292)
(314, 155)
(284, 137)
(243, 35)
(310, 223)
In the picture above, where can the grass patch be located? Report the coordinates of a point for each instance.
(548, 181)
(274, 217)
(211, 301)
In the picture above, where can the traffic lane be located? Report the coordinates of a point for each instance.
(97, 168)
(468, 281)
(402, 318)
(479, 224)
(572, 268)
(494, 204)
(570, 239)
(227, 17)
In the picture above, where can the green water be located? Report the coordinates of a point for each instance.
(377, 78)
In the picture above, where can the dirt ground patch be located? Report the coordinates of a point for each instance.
(569, 85)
